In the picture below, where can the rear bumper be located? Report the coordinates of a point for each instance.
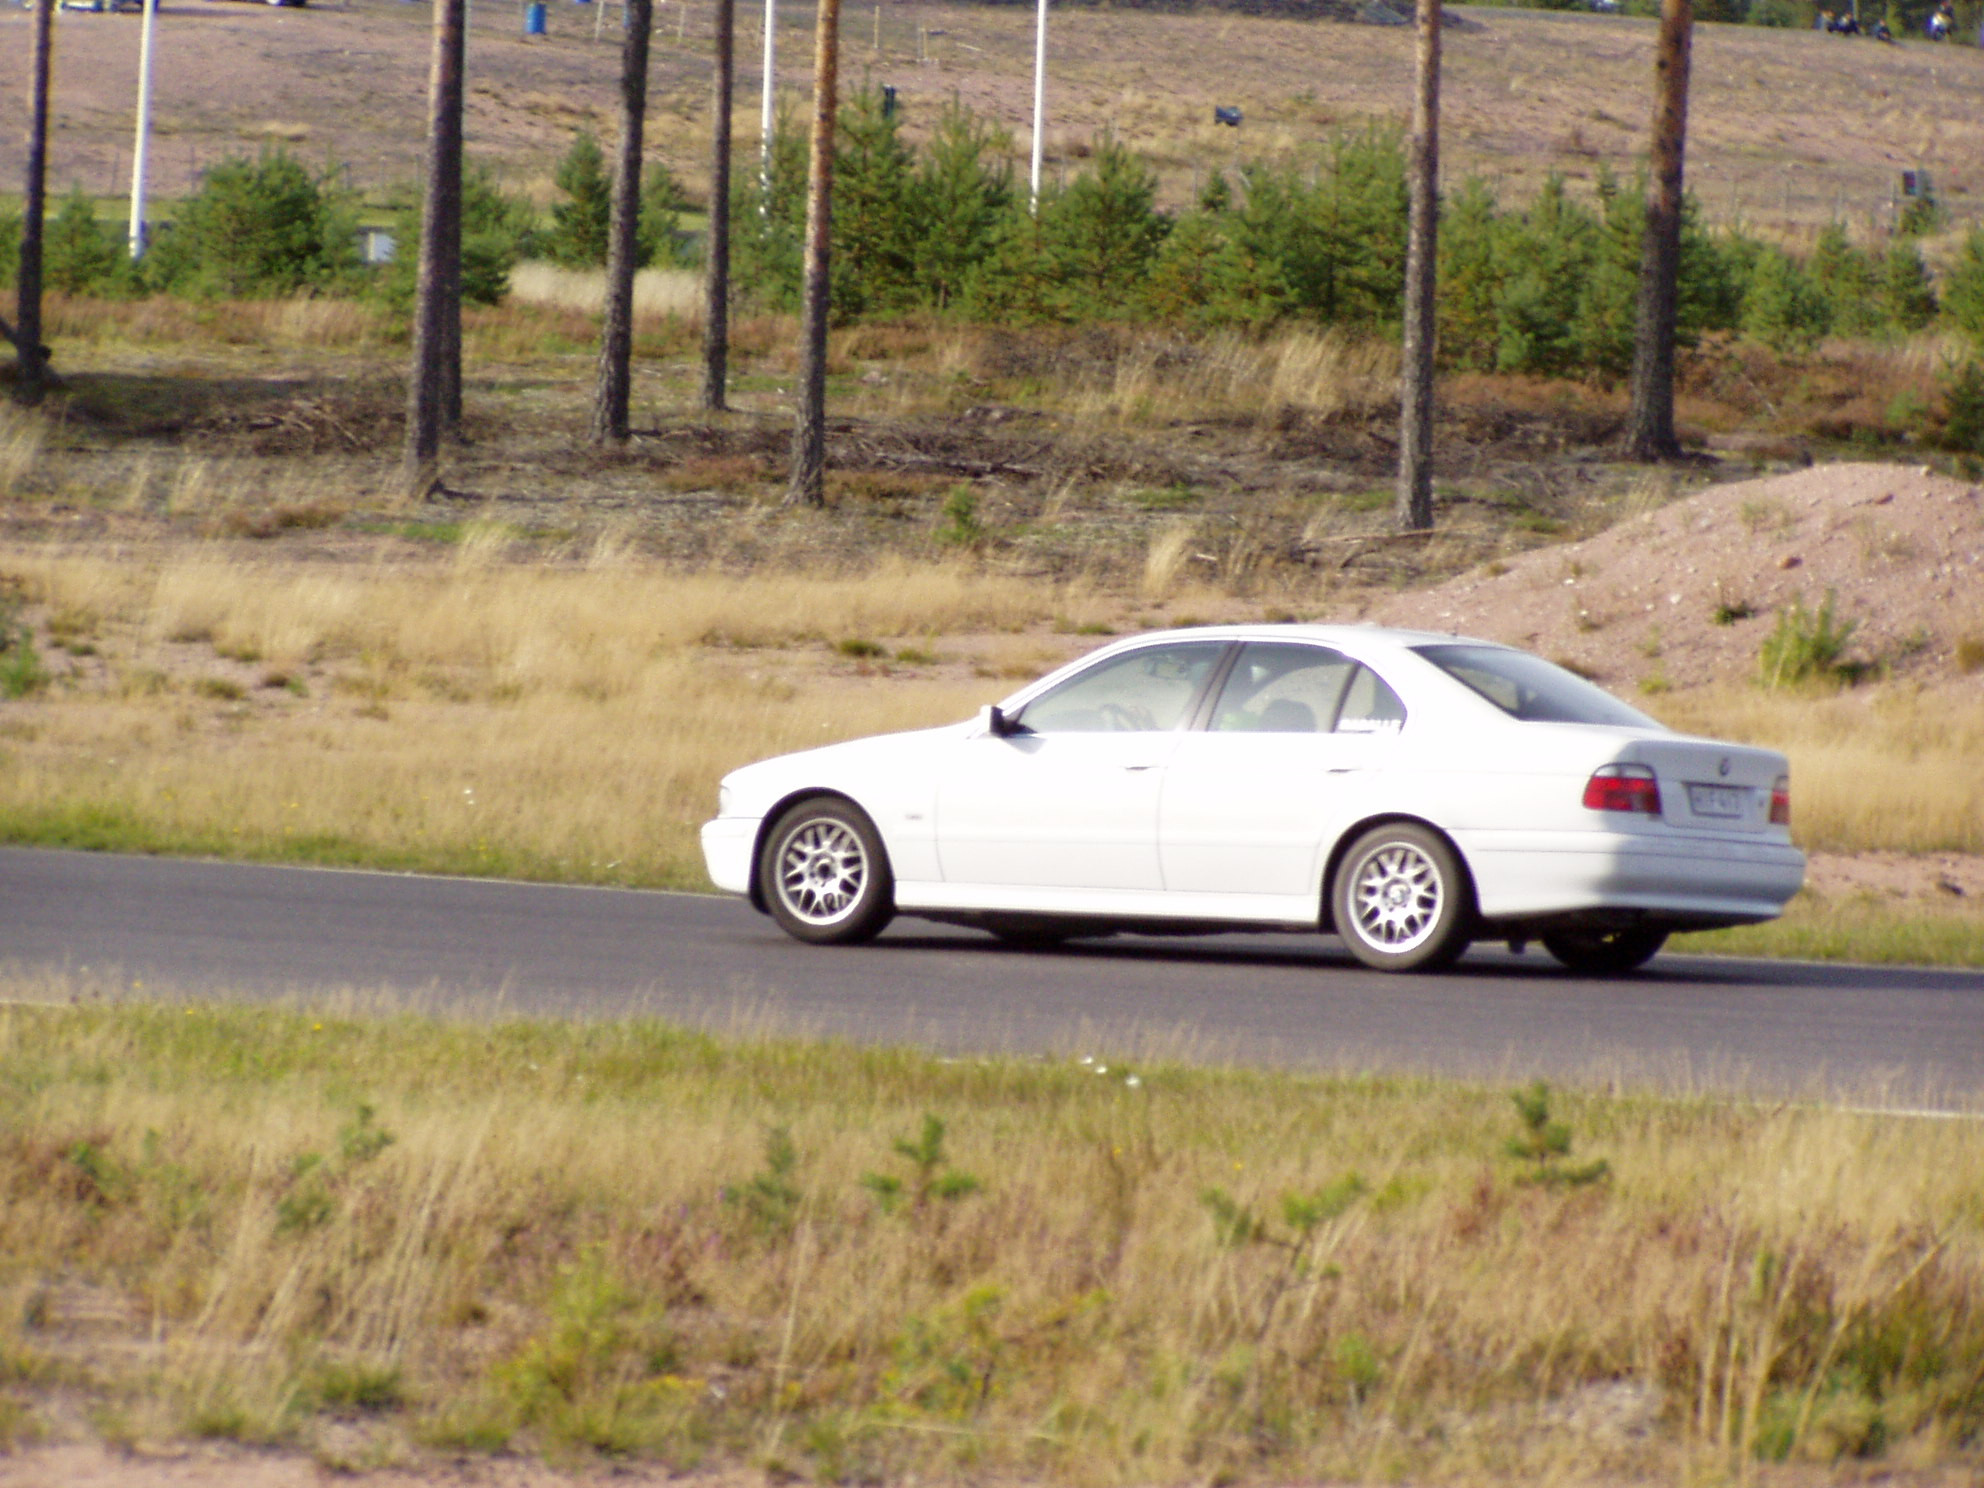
(1692, 880)
(727, 844)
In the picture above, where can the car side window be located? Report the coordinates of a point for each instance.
(1278, 688)
(1144, 691)
(1370, 706)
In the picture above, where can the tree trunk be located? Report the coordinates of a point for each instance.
(809, 435)
(716, 260)
(26, 336)
(434, 397)
(1650, 432)
(1414, 508)
(623, 232)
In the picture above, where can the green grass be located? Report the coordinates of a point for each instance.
(761, 1253)
(1866, 931)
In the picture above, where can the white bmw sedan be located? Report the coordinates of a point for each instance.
(1408, 792)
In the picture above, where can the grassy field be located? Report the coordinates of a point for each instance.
(374, 1237)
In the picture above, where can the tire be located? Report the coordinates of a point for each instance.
(825, 875)
(1605, 952)
(1401, 900)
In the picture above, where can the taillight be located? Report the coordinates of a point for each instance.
(1623, 788)
(1780, 802)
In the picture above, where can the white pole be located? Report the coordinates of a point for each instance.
(765, 120)
(1039, 104)
(144, 132)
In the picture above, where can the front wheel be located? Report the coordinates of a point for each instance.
(1605, 952)
(1401, 900)
(824, 874)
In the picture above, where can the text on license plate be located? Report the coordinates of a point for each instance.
(1717, 800)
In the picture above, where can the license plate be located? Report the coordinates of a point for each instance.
(1718, 800)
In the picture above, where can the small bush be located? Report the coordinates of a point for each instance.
(1807, 645)
(960, 527)
(21, 671)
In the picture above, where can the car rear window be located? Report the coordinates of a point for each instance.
(1530, 688)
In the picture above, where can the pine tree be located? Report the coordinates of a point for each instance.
(1536, 314)
(81, 258)
(1202, 277)
(1101, 234)
(1963, 288)
(767, 227)
(1471, 273)
(663, 244)
(1908, 302)
(1781, 306)
(579, 223)
(962, 190)
(874, 237)
(1845, 277)
(261, 227)
(1608, 304)
(1364, 204)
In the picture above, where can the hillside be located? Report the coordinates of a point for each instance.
(1789, 128)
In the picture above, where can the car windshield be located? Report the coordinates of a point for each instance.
(1530, 688)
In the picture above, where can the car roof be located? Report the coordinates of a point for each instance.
(1351, 637)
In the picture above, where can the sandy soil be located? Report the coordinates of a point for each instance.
(1900, 547)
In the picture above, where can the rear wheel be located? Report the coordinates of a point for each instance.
(1605, 952)
(824, 874)
(1401, 899)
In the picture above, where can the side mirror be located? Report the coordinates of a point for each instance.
(997, 724)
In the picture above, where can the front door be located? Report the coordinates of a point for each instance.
(1069, 799)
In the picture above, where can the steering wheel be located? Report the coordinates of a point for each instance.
(1127, 720)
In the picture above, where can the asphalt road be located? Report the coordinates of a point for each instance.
(82, 923)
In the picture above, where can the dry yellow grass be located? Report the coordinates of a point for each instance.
(258, 1224)
(1235, 377)
(656, 291)
(1894, 767)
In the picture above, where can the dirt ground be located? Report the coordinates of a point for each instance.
(216, 1466)
(1787, 128)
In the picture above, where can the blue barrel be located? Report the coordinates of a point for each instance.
(536, 18)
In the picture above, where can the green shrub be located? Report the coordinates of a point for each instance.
(78, 255)
(1963, 405)
(498, 230)
(662, 243)
(21, 671)
(1807, 645)
(10, 243)
(256, 228)
(1963, 289)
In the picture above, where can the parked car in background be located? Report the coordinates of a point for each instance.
(1409, 792)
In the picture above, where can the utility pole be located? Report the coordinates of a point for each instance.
(768, 89)
(809, 434)
(616, 338)
(32, 355)
(1414, 508)
(434, 398)
(141, 147)
(716, 253)
(1039, 104)
(1650, 421)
